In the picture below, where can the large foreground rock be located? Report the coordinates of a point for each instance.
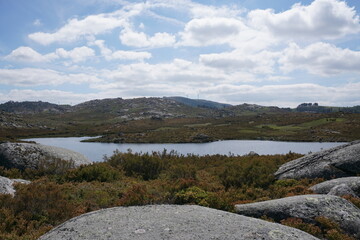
(6, 185)
(308, 207)
(29, 155)
(341, 161)
(337, 186)
(169, 222)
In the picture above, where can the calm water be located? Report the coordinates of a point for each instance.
(96, 151)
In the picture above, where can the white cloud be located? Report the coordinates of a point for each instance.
(131, 38)
(178, 72)
(236, 60)
(211, 31)
(27, 54)
(121, 55)
(41, 77)
(322, 19)
(203, 11)
(321, 59)
(130, 55)
(78, 54)
(91, 25)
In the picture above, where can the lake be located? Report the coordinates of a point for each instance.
(96, 151)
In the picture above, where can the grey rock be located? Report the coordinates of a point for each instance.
(169, 222)
(308, 207)
(6, 185)
(334, 185)
(29, 155)
(341, 190)
(341, 161)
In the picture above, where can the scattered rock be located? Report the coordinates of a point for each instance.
(170, 222)
(341, 161)
(29, 155)
(308, 207)
(6, 185)
(336, 186)
(252, 153)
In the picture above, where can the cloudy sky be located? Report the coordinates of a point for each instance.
(281, 52)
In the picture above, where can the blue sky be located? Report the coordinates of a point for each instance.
(280, 52)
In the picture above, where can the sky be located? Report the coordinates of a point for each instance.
(271, 53)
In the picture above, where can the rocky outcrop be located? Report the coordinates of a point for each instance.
(29, 155)
(6, 185)
(307, 208)
(201, 138)
(341, 161)
(170, 222)
(339, 187)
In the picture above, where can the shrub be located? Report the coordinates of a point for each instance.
(181, 171)
(138, 165)
(255, 172)
(196, 195)
(135, 195)
(299, 224)
(101, 172)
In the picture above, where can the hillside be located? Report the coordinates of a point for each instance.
(176, 120)
(199, 103)
(33, 107)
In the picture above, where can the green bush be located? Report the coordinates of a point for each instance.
(101, 172)
(145, 166)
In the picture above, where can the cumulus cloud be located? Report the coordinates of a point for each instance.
(210, 31)
(27, 54)
(132, 38)
(322, 19)
(78, 54)
(176, 73)
(320, 58)
(109, 55)
(77, 28)
(203, 11)
(261, 62)
(41, 77)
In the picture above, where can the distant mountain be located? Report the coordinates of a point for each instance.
(33, 107)
(199, 103)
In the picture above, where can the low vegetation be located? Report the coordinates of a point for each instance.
(127, 179)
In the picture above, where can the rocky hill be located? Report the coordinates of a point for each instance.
(199, 103)
(33, 107)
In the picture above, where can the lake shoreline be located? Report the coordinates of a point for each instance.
(96, 151)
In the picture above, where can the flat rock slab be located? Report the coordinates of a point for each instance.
(308, 207)
(332, 186)
(340, 161)
(169, 222)
(6, 185)
(28, 155)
